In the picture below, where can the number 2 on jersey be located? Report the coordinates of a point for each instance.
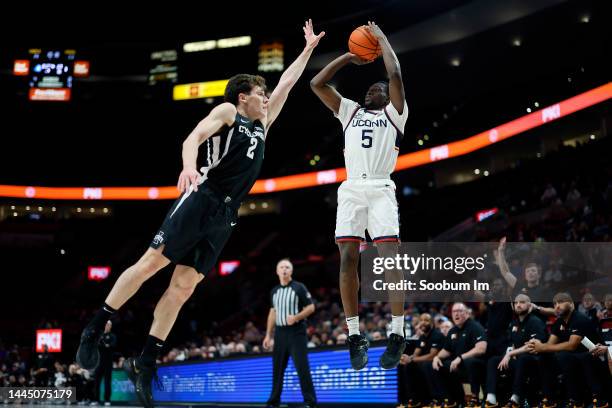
(366, 136)
(250, 152)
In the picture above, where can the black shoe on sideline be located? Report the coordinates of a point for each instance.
(358, 349)
(395, 347)
(88, 355)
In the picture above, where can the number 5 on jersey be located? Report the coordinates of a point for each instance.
(366, 138)
(252, 148)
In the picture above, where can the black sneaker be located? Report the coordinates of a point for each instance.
(88, 356)
(142, 378)
(358, 349)
(395, 347)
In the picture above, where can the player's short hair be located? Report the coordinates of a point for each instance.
(384, 84)
(242, 83)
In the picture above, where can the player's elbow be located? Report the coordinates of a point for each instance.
(315, 84)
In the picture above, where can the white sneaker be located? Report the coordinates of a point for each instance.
(107, 404)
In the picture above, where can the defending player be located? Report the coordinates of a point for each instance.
(200, 222)
(372, 134)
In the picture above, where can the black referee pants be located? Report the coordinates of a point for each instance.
(291, 341)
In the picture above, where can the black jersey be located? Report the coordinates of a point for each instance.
(232, 158)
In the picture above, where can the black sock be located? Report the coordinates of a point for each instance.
(151, 350)
(103, 315)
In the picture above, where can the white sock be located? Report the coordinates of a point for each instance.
(353, 325)
(397, 325)
(515, 398)
(491, 399)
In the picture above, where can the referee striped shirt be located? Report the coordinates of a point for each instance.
(289, 300)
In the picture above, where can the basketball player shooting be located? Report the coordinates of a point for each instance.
(200, 222)
(366, 200)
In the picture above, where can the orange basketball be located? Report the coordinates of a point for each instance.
(363, 44)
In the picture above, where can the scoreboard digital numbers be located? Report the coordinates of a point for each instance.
(51, 74)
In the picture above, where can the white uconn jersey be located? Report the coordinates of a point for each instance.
(371, 139)
(366, 201)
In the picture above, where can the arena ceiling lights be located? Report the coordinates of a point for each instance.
(221, 43)
(317, 178)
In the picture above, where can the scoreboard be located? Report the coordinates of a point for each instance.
(50, 73)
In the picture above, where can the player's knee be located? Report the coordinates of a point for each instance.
(184, 285)
(150, 263)
(349, 257)
(181, 293)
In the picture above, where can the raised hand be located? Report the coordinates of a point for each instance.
(375, 30)
(502, 245)
(312, 39)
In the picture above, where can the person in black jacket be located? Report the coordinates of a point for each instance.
(517, 362)
(104, 372)
(582, 371)
(461, 358)
(412, 369)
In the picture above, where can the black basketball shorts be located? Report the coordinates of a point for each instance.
(197, 228)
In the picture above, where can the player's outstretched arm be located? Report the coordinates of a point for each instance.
(392, 65)
(223, 114)
(292, 74)
(327, 93)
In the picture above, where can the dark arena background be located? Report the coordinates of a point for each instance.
(508, 136)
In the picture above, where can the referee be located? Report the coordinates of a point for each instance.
(291, 305)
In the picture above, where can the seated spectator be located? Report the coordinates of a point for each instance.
(461, 358)
(412, 369)
(582, 371)
(589, 307)
(606, 312)
(517, 362)
(445, 327)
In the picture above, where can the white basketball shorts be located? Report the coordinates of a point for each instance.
(367, 204)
